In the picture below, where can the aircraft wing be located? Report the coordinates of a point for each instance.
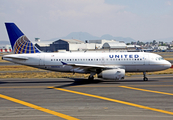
(90, 67)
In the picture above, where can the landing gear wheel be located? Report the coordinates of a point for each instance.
(145, 79)
(90, 78)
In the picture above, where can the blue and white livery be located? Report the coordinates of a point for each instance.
(19, 42)
(105, 65)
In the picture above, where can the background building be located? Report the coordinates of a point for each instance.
(6, 48)
(108, 44)
(77, 45)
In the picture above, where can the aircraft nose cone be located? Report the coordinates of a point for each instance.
(168, 64)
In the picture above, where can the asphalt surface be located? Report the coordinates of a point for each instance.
(65, 98)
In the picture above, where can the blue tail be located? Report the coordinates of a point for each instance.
(19, 42)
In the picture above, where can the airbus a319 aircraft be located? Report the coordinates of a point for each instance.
(105, 65)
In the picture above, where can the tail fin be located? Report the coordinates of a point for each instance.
(19, 42)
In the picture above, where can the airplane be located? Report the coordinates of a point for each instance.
(106, 65)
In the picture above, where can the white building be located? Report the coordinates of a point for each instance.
(108, 44)
(163, 48)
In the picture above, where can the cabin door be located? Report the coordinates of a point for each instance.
(41, 60)
(146, 59)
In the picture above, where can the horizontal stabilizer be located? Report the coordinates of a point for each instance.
(15, 57)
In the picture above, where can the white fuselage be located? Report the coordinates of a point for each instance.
(130, 61)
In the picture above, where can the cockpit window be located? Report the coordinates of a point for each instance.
(159, 58)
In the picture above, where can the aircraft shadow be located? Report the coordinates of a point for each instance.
(82, 81)
(75, 82)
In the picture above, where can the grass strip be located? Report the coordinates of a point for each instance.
(42, 75)
(17, 68)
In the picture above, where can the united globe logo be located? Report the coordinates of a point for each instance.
(23, 45)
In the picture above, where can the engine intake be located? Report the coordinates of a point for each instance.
(114, 74)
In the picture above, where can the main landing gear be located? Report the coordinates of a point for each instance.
(145, 78)
(91, 77)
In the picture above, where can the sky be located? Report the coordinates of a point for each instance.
(46, 19)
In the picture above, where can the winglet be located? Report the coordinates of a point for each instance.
(63, 63)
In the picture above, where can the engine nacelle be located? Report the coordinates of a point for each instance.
(115, 74)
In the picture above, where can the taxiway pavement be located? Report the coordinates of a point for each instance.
(65, 98)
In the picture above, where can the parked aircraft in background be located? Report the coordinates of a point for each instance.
(105, 65)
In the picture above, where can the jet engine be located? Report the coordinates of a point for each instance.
(115, 74)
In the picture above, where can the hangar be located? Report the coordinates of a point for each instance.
(108, 44)
(77, 45)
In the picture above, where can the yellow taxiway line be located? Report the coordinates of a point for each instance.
(114, 100)
(38, 107)
(146, 90)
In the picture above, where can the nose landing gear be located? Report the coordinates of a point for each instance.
(145, 78)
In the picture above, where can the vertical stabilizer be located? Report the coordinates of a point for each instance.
(19, 42)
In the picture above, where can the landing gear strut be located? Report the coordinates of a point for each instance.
(145, 78)
(91, 77)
